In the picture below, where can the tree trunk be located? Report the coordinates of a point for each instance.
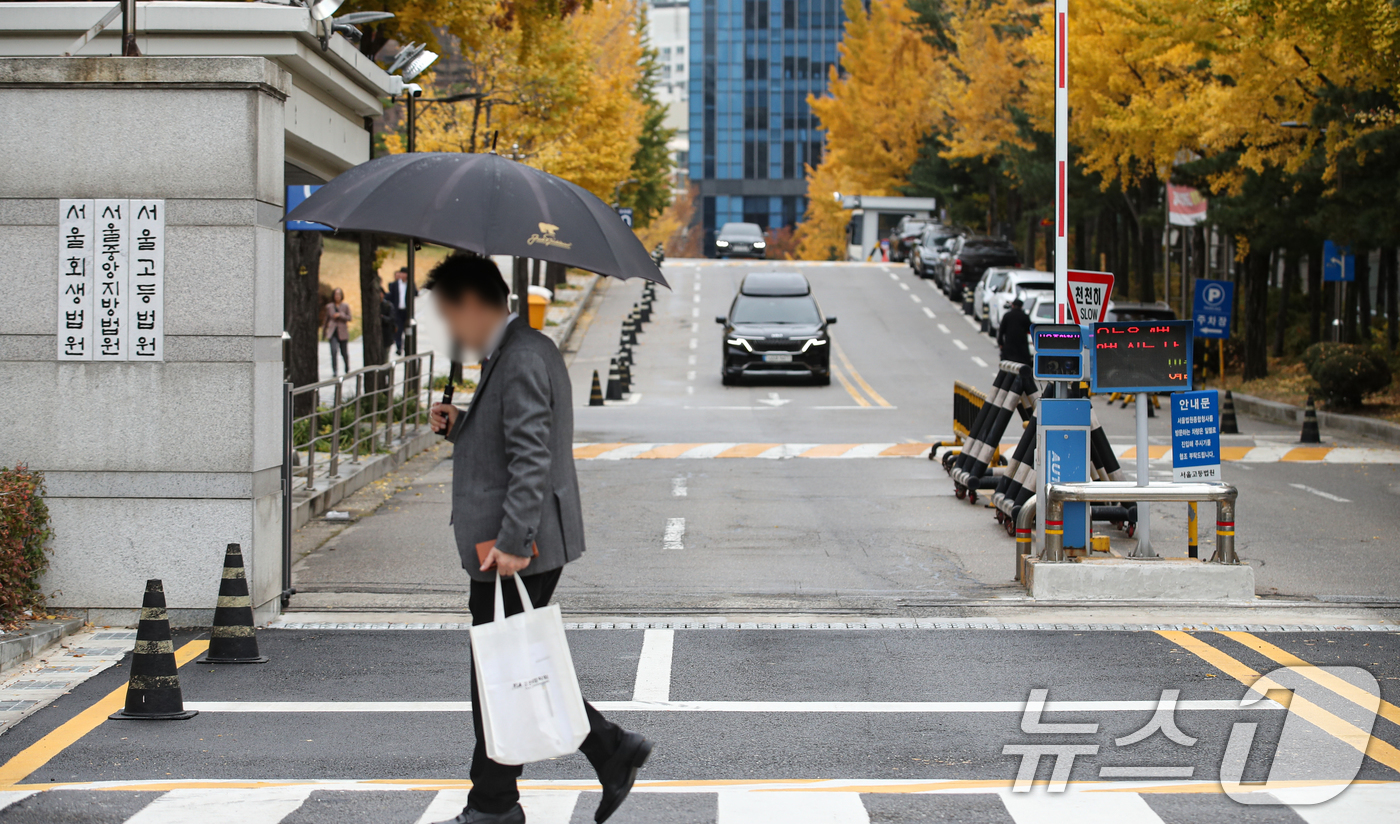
(520, 286)
(1081, 243)
(1256, 314)
(1349, 307)
(992, 207)
(1391, 272)
(1363, 294)
(1147, 253)
(1030, 241)
(554, 274)
(302, 283)
(1050, 246)
(1285, 298)
(1316, 293)
(371, 330)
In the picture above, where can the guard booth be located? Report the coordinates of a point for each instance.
(872, 219)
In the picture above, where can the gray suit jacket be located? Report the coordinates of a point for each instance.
(513, 475)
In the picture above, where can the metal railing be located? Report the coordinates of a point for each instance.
(356, 414)
(1224, 496)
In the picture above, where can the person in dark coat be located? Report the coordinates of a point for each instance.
(1014, 334)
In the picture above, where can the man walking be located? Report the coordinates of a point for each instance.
(1014, 334)
(515, 503)
(397, 296)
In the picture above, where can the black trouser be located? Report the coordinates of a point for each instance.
(344, 347)
(400, 324)
(493, 785)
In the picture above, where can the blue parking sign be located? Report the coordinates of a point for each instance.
(295, 196)
(1215, 301)
(1196, 436)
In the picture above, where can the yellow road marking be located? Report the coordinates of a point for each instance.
(1306, 453)
(1349, 734)
(670, 450)
(593, 450)
(1234, 453)
(1153, 452)
(1313, 673)
(829, 450)
(874, 396)
(846, 384)
(747, 450)
(906, 450)
(40, 752)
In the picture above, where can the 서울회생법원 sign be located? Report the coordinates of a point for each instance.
(1147, 356)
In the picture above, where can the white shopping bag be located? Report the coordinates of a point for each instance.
(531, 706)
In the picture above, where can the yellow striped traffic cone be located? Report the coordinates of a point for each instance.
(153, 693)
(595, 396)
(1310, 431)
(232, 639)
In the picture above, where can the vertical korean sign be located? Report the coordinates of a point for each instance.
(110, 334)
(1063, 309)
(75, 280)
(146, 301)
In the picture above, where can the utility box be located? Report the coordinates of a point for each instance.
(1062, 457)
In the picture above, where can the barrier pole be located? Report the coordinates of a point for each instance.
(1192, 551)
(1225, 532)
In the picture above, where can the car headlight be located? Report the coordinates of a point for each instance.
(813, 342)
(739, 342)
(758, 244)
(721, 243)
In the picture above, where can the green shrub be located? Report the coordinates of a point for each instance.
(24, 538)
(1345, 372)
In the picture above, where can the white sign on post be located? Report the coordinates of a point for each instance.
(1087, 295)
(75, 280)
(146, 302)
(110, 334)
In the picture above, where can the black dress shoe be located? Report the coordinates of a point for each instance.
(515, 815)
(620, 773)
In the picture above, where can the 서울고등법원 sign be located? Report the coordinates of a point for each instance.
(1148, 356)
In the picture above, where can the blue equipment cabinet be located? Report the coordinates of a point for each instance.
(1062, 453)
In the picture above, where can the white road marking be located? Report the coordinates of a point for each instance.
(697, 283)
(892, 275)
(774, 400)
(697, 296)
(690, 376)
(695, 311)
(1319, 493)
(678, 489)
(945, 330)
(932, 284)
(902, 284)
(1360, 802)
(223, 806)
(883, 707)
(11, 796)
(915, 298)
(974, 324)
(928, 311)
(654, 666)
(1076, 807)
(692, 360)
(694, 327)
(809, 808)
(979, 361)
(541, 806)
(960, 344)
(448, 803)
(694, 343)
(675, 532)
(690, 390)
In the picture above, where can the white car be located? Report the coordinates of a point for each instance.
(1020, 283)
(992, 279)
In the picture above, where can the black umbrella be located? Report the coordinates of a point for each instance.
(482, 203)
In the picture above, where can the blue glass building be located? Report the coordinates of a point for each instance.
(752, 65)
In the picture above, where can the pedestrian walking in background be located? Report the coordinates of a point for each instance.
(1014, 334)
(386, 318)
(396, 297)
(337, 329)
(515, 505)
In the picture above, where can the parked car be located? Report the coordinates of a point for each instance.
(775, 328)
(1026, 284)
(740, 240)
(969, 257)
(1041, 309)
(1134, 310)
(906, 236)
(991, 280)
(926, 258)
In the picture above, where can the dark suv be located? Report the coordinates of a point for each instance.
(970, 257)
(774, 327)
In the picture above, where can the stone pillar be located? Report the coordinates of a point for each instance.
(152, 468)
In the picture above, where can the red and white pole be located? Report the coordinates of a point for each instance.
(1063, 309)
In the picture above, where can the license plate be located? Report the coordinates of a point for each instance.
(777, 358)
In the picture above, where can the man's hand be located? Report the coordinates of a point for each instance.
(504, 563)
(443, 417)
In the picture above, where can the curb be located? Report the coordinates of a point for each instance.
(560, 334)
(308, 504)
(1287, 413)
(27, 643)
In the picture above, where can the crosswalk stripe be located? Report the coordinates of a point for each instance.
(1157, 454)
(263, 806)
(1039, 807)
(1357, 803)
(9, 797)
(808, 808)
(446, 805)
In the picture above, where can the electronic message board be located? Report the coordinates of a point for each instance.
(1148, 356)
(1059, 354)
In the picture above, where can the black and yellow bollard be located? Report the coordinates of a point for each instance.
(625, 365)
(595, 395)
(614, 381)
(1192, 543)
(153, 692)
(1310, 430)
(1228, 424)
(232, 639)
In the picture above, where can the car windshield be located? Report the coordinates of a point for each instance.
(1141, 314)
(995, 280)
(1044, 312)
(751, 309)
(741, 231)
(1036, 286)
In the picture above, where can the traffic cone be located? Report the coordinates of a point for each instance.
(232, 639)
(629, 331)
(626, 367)
(595, 396)
(644, 308)
(153, 692)
(1228, 424)
(614, 381)
(1310, 432)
